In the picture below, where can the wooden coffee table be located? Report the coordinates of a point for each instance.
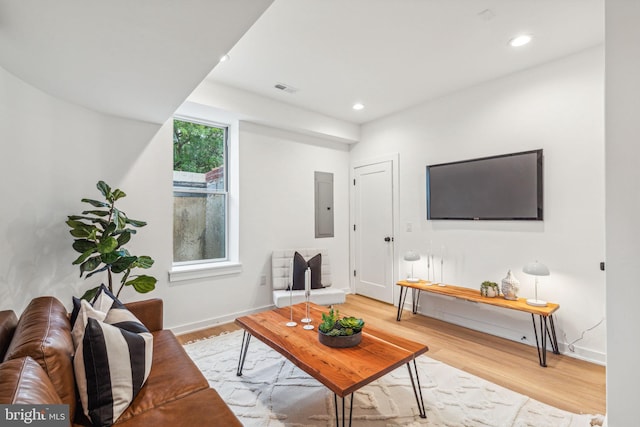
(341, 370)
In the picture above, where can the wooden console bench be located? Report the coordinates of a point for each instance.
(545, 314)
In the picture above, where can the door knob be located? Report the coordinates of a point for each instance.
(387, 239)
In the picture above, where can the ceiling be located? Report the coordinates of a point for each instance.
(392, 54)
(142, 59)
(136, 59)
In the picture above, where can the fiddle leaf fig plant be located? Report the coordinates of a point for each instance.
(100, 235)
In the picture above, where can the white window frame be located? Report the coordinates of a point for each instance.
(190, 270)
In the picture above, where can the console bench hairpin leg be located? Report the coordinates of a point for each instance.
(546, 328)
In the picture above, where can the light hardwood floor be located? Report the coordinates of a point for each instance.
(567, 383)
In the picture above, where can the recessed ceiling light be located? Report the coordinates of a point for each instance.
(358, 106)
(225, 58)
(520, 40)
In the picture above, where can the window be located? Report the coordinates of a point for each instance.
(200, 193)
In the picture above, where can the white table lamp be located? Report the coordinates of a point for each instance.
(536, 269)
(412, 257)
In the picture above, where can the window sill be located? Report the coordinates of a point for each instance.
(201, 271)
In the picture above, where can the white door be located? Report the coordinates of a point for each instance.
(373, 230)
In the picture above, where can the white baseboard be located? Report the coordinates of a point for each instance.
(216, 321)
(581, 353)
(221, 320)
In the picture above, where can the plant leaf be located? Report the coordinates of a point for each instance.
(103, 223)
(110, 257)
(89, 218)
(78, 232)
(143, 284)
(124, 252)
(80, 226)
(144, 261)
(74, 223)
(110, 229)
(123, 238)
(129, 230)
(104, 189)
(120, 219)
(83, 245)
(96, 203)
(106, 267)
(83, 257)
(123, 264)
(107, 245)
(96, 213)
(118, 194)
(136, 223)
(90, 294)
(90, 264)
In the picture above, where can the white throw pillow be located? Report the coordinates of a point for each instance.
(112, 359)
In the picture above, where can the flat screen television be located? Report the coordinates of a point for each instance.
(504, 187)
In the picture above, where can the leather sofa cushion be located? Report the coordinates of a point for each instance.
(173, 376)
(44, 333)
(202, 408)
(149, 312)
(8, 323)
(25, 382)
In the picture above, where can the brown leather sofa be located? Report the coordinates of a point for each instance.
(36, 352)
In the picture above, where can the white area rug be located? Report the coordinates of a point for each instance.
(273, 392)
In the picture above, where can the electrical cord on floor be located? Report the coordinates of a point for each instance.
(571, 345)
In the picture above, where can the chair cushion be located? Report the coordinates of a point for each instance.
(324, 296)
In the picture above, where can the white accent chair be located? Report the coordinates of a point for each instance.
(280, 262)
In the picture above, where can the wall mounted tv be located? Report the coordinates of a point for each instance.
(504, 187)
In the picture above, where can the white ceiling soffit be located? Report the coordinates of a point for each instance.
(390, 54)
(136, 59)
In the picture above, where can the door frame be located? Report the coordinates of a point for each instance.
(394, 158)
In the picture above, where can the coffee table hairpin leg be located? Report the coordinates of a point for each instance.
(418, 390)
(335, 401)
(246, 337)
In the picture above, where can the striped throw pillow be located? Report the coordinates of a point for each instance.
(112, 359)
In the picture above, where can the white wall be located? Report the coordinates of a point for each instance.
(558, 107)
(276, 212)
(622, 207)
(55, 152)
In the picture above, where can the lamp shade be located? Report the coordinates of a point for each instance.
(411, 256)
(536, 269)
